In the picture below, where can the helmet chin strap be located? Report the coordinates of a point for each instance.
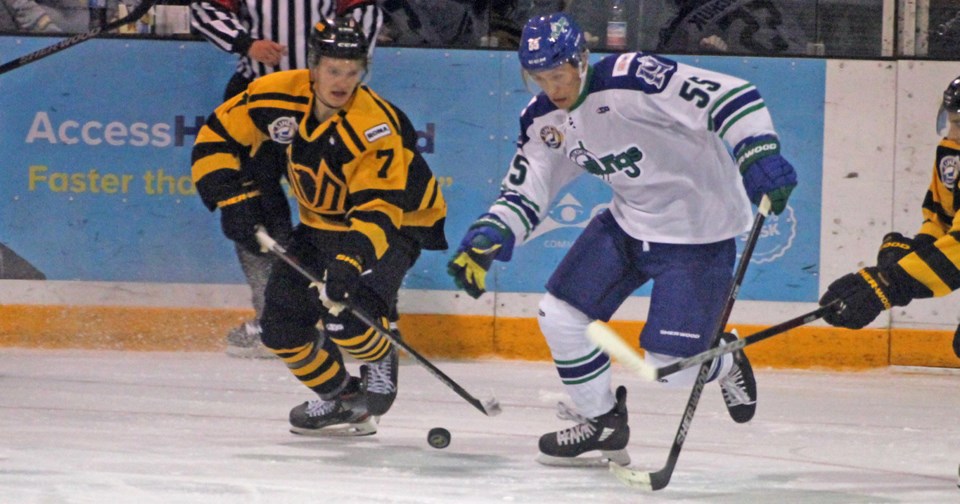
(582, 69)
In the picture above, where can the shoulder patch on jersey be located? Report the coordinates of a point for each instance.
(379, 131)
(949, 169)
(283, 129)
(622, 66)
(655, 71)
(551, 136)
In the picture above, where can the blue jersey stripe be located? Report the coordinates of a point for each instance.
(734, 106)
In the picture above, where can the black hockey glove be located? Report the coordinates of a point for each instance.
(895, 246)
(239, 218)
(864, 295)
(343, 277)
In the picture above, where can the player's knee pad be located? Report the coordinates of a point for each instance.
(686, 378)
(564, 327)
(356, 338)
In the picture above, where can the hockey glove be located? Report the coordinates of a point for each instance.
(343, 277)
(895, 246)
(487, 239)
(863, 296)
(765, 171)
(239, 218)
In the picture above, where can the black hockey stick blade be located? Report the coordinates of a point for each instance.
(68, 42)
(489, 407)
(660, 479)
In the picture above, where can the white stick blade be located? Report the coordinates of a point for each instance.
(610, 342)
(631, 478)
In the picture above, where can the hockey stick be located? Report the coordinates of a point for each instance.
(489, 407)
(659, 479)
(134, 15)
(607, 338)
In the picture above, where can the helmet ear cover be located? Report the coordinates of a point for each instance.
(339, 39)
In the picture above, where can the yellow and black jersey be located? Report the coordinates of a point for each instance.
(937, 269)
(358, 172)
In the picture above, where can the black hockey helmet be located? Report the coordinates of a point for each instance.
(341, 39)
(950, 103)
(951, 96)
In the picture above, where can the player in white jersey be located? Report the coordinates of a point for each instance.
(657, 132)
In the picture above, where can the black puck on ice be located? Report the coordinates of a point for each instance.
(438, 437)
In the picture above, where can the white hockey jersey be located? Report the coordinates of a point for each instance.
(653, 130)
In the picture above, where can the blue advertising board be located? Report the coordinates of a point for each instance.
(96, 140)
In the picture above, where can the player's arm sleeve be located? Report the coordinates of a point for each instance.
(535, 177)
(218, 21)
(228, 136)
(935, 271)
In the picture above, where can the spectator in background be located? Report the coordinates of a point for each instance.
(25, 16)
(267, 43)
(735, 26)
(437, 23)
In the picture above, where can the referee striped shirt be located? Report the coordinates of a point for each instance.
(233, 25)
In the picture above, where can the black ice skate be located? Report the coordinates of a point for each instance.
(380, 382)
(607, 433)
(739, 387)
(244, 341)
(345, 415)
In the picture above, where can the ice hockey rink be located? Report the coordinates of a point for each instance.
(111, 427)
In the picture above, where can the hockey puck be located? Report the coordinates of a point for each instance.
(438, 437)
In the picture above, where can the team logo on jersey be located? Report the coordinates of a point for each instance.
(655, 72)
(949, 170)
(551, 136)
(379, 131)
(282, 129)
(609, 164)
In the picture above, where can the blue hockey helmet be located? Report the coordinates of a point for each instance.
(550, 41)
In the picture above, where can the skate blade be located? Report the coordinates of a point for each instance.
(362, 428)
(606, 457)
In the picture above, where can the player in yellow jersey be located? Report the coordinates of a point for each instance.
(368, 204)
(921, 267)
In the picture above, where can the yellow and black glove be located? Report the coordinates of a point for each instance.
(343, 277)
(487, 239)
(895, 246)
(239, 217)
(864, 295)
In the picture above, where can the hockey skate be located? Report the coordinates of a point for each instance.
(379, 382)
(345, 415)
(739, 386)
(607, 433)
(244, 342)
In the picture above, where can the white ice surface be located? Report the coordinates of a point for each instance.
(118, 427)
